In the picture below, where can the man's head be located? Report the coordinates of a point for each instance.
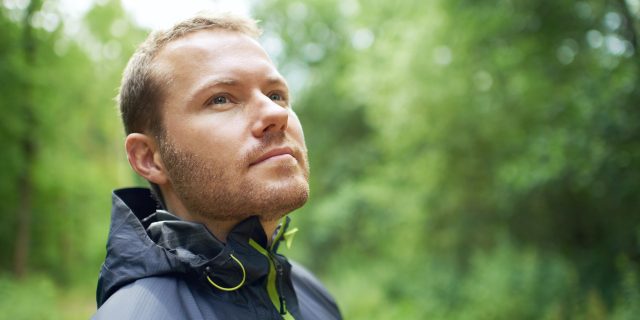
(209, 121)
(141, 91)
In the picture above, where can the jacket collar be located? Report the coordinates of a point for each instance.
(144, 241)
(227, 264)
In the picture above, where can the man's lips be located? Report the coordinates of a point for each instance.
(273, 153)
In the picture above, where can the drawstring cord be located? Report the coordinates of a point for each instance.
(217, 286)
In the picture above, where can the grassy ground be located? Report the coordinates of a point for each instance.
(38, 297)
(76, 303)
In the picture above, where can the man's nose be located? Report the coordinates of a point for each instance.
(271, 116)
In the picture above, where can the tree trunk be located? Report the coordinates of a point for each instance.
(630, 25)
(28, 148)
(23, 237)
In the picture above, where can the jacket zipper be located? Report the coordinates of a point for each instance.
(274, 280)
(279, 277)
(278, 266)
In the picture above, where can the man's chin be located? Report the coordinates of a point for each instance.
(270, 200)
(283, 202)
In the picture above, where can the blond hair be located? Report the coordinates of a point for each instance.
(141, 89)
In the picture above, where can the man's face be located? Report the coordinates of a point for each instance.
(232, 146)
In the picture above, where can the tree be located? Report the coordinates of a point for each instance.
(490, 135)
(61, 147)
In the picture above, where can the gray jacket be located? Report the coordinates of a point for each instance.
(161, 267)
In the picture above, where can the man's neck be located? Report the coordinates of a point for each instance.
(219, 228)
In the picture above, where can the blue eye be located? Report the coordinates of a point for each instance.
(276, 97)
(219, 100)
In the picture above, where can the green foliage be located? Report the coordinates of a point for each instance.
(17, 299)
(495, 147)
(58, 96)
(470, 159)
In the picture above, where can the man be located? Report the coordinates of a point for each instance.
(209, 124)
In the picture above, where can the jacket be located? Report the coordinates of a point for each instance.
(160, 267)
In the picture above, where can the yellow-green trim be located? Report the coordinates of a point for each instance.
(288, 316)
(244, 277)
(271, 276)
(288, 237)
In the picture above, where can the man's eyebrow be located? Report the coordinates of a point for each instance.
(210, 83)
(276, 80)
(215, 82)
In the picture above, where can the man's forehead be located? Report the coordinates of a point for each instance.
(221, 47)
(210, 41)
(271, 78)
(206, 59)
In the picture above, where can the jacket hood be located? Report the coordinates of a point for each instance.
(144, 242)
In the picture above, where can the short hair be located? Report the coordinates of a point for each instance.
(141, 88)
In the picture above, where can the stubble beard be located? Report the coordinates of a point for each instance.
(208, 189)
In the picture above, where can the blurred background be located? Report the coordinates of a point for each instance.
(471, 159)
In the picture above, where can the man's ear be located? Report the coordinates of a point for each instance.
(144, 157)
